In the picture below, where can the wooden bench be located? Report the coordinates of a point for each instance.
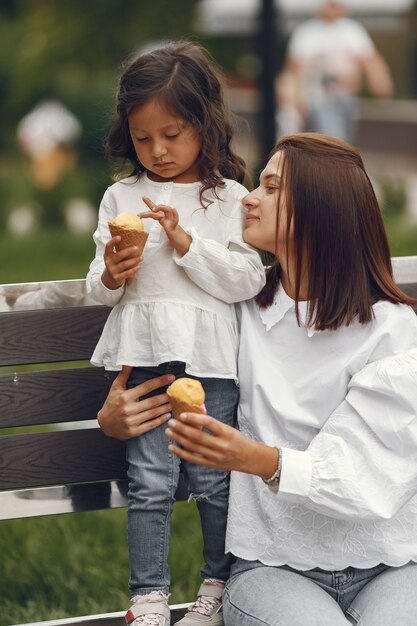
(77, 467)
(73, 467)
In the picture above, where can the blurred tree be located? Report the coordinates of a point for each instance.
(72, 52)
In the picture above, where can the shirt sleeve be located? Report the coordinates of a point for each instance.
(363, 463)
(231, 274)
(295, 44)
(95, 287)
(361, 41)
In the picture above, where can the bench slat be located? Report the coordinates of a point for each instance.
(50, 335)
(60, 458)
(41, 501)
(61, 499)
(31, 398)
(410, 289)
(107, 619)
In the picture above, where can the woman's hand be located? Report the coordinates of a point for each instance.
(168, 218)
(121, 265)
(222, 447)
(124, 415)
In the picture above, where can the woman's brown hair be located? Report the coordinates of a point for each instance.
(182, 77)
(338, 233)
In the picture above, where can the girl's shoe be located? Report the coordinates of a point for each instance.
(207, 609)
(149, 610)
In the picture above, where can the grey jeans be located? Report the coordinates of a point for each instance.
(153, 478)
(257, 595)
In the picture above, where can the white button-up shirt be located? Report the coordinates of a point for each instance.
(178, 308)
(342, 405)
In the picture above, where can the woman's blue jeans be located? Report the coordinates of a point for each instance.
(153, 478)
(258, 594)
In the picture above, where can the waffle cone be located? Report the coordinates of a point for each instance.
(130, 237)
(178, 407)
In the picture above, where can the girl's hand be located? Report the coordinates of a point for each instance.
(168, 218)
(121, 266)
(222, 447)
(124, 415)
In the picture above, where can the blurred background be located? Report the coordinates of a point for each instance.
(59, 67)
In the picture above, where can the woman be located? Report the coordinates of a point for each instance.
(323, 504)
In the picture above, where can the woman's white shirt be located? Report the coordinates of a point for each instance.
(177, 308)
(342, 405)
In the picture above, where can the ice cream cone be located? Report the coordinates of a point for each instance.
(179, 407)
(129, 237)
(186, 395)
(129, 228)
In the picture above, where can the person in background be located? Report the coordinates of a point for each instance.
(328, 59)
(48, 135)
(176, 315)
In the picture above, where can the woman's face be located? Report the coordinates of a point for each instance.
(261, 229)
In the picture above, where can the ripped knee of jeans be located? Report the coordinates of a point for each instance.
(198, 497)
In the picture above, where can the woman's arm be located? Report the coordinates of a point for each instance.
(124, 415)
(363, 462)
(361, 465)
(222, 446)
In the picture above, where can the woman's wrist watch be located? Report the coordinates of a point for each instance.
(273, 481)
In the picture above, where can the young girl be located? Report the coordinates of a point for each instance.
(176, 315)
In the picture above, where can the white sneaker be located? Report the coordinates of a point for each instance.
(207, 609)
(149, 610)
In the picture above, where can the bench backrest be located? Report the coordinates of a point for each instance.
(65, 463)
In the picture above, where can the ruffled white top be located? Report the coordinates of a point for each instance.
(343, 407)
(177, 308)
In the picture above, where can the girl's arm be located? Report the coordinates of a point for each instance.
(168, 218)
(120, 266)
(110, 270)
(231, 273)
(361, 465)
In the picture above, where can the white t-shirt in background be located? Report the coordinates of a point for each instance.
(330, 54)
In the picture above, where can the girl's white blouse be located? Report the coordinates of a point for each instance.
(177, 308)
(342, 405)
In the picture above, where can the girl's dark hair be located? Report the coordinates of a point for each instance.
(183, 77)
(337, 233)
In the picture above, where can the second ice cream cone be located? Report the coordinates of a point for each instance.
(186, 395)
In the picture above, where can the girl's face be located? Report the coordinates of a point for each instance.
(261, 228)
(165, 144)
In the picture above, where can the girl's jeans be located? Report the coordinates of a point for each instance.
(153, 478)
(258, 594)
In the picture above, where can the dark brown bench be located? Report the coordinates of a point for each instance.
(73, 468)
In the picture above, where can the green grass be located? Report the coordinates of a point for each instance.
(69, 565)
(402, 236)
(52, 254)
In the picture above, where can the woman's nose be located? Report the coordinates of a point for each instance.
(250, 200)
